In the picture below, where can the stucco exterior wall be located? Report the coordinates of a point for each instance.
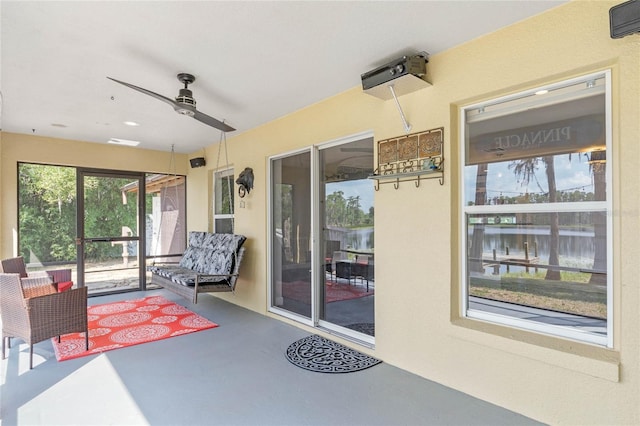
(418, 323)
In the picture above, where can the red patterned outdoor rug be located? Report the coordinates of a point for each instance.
(127, 323)
(335, 292)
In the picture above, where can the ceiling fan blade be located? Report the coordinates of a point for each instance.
(210, 121)
(181, 108)
(147, 92)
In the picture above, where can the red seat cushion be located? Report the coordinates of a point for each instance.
(64, 286)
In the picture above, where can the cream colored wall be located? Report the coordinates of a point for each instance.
(418, 327)
(34, 149)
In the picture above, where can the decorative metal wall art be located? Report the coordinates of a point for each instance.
(411, 157)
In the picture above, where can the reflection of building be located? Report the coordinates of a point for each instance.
(356, 239)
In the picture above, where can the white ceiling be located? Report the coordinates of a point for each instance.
(253, 61)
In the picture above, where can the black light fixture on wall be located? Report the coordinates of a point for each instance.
(197, 162)
(396, 78)
(245, 181)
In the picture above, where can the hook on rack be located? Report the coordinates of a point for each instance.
(396, 184)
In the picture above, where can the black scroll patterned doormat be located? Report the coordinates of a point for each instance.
(315, 353)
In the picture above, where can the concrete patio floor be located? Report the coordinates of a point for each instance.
(235, 374)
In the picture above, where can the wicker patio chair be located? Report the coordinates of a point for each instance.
(61, 278)
(33, 310)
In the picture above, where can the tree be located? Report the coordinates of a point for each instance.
(477, 241)
(346, 212)
(597, 166)
(353, 211)
(336, 208)
(106, 212)
(47, 212)
(525, 170)
(554, 226)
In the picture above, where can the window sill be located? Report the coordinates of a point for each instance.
(583, 358)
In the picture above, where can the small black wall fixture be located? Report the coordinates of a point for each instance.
(197, 162)
(245, 181)
(624, 19)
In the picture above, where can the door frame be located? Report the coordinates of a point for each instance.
(80, 217)
(318, 241)
(270, 239)
(316, 235)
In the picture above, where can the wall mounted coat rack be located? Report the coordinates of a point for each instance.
(414, 157)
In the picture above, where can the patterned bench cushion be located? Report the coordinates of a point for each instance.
(185, 276)
(209, 254)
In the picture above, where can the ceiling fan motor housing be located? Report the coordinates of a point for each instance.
(185, 97)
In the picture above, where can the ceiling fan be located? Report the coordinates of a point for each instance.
(184, 103)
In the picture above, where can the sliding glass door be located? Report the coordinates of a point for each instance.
(346, 217)
(322, 237)
(290, 232)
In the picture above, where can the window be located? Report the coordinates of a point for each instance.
(47, 210)
(223, 201)
(166, 216)
(536, 210)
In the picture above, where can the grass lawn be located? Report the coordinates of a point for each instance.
(578, 307)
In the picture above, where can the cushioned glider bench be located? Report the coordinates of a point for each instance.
(210, 264)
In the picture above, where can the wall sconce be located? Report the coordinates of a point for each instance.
(245, 182)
